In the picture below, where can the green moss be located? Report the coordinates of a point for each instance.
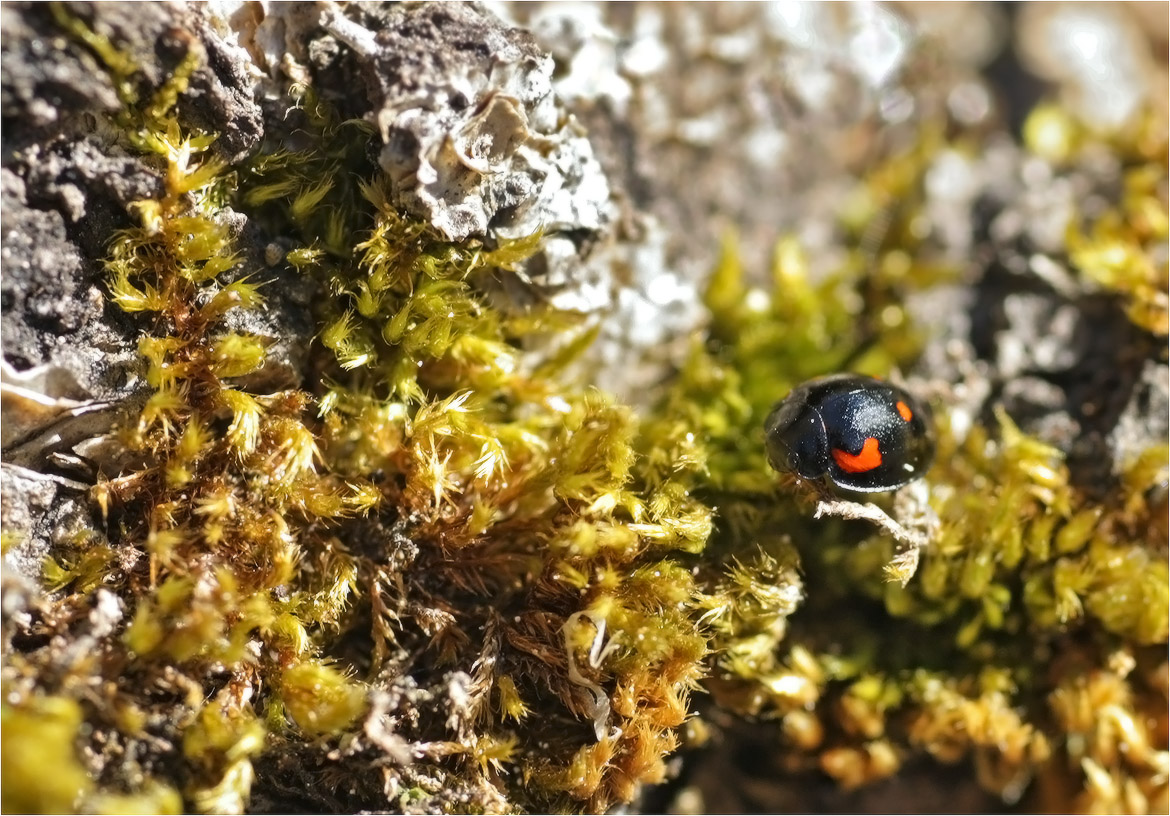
(1022, 559)
(532, 516)
(1043, 557)
(41, 770)
(9, 540)
(154, 798)
(1118, 249)
(320, 699)
(219, 746)
(85, 563)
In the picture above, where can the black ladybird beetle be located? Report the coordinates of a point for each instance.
(862, 433)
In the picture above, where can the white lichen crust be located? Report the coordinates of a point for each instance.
(473, 137)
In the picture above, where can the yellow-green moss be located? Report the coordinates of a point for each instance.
(957, 665)
(532, 514)
(1118, 249)
(41, 770)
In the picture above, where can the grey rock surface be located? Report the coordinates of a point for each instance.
(52, 300)
(474, 139)
(72, 371)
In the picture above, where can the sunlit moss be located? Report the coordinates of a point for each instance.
(41, 770)
(539, 512)
(1022, 558)
(153, 798)
(1105, 720)
(220, 745)
(528, 508)
(320, 699)
(1118, 249)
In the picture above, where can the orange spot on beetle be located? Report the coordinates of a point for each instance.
(904, 411)
(869, 458)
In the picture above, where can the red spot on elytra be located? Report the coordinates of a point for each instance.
(869, 458)
(904, 411)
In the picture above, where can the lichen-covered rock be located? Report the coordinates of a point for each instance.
(52, 300)
(50, 81)
(69, 181)
(43, 82)
(474, 138)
